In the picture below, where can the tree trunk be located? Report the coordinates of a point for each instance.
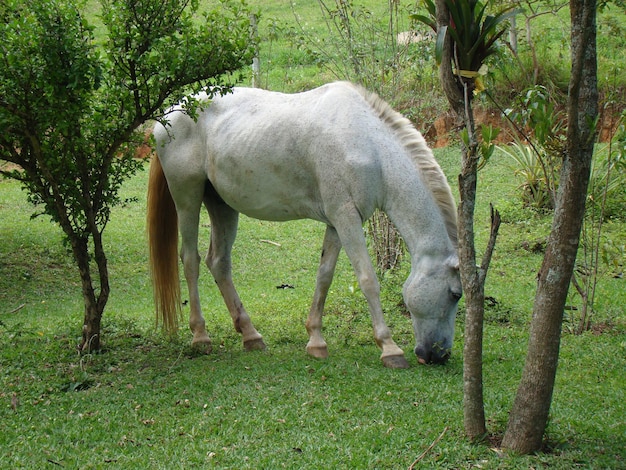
(529, 416)
(458, 91)
(513, 35)
(473, 281)
(91, 330)
(447, 78)
(94, 304)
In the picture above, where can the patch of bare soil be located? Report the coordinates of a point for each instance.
(446, 127)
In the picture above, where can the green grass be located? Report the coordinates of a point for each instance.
(285, 65)
(150, 401)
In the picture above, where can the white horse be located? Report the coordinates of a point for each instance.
(333, 154)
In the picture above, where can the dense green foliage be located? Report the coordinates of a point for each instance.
(70, 110)
(69, 107)
(50, 70)
(473, 30)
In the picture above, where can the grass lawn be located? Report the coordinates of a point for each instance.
(148, 400)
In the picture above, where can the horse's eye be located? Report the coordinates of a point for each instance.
(456, 295)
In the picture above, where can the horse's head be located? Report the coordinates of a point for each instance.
(431, 294)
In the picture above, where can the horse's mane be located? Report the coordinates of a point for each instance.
(422, 157)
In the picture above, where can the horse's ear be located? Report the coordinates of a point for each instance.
(453, 262)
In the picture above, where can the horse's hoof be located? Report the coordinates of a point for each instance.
(395, 362)
(319, 352)
(202, 346)
(254, 345)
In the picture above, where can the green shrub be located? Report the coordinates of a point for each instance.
(525, 163)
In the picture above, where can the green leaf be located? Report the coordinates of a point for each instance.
(439, 44)
(428, 21)
(473, 32)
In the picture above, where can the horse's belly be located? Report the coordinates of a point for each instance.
(275, 207)
(269, 195)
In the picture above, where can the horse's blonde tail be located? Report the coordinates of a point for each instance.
(162, 222)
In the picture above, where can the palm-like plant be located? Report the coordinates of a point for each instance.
(474, 33)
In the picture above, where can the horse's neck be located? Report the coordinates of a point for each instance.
(413, 211)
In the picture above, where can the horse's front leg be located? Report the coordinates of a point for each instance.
(224, 221)
(353, 241)
(316, 346)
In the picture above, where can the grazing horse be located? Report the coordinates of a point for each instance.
(333, 154)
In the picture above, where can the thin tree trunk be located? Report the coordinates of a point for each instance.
(513, 35)
(91, 330)
(458, 93)
(533, 50)
(473, 286)
(103, 272)
(446, 76)
(529, 416)
(94, 303)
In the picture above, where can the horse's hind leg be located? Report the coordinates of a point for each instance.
(188, 208)
(316, 346)
(224, 221)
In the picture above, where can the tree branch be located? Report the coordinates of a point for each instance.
(491, 244)
(430, 447)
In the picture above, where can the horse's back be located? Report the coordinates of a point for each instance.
(285, 156)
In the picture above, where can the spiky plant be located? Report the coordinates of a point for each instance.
(474, 32)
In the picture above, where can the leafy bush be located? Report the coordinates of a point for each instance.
(538, 163)
(537, 118)
(535, 187)
(607, 186)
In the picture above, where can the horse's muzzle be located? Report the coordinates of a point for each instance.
(434, 355)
